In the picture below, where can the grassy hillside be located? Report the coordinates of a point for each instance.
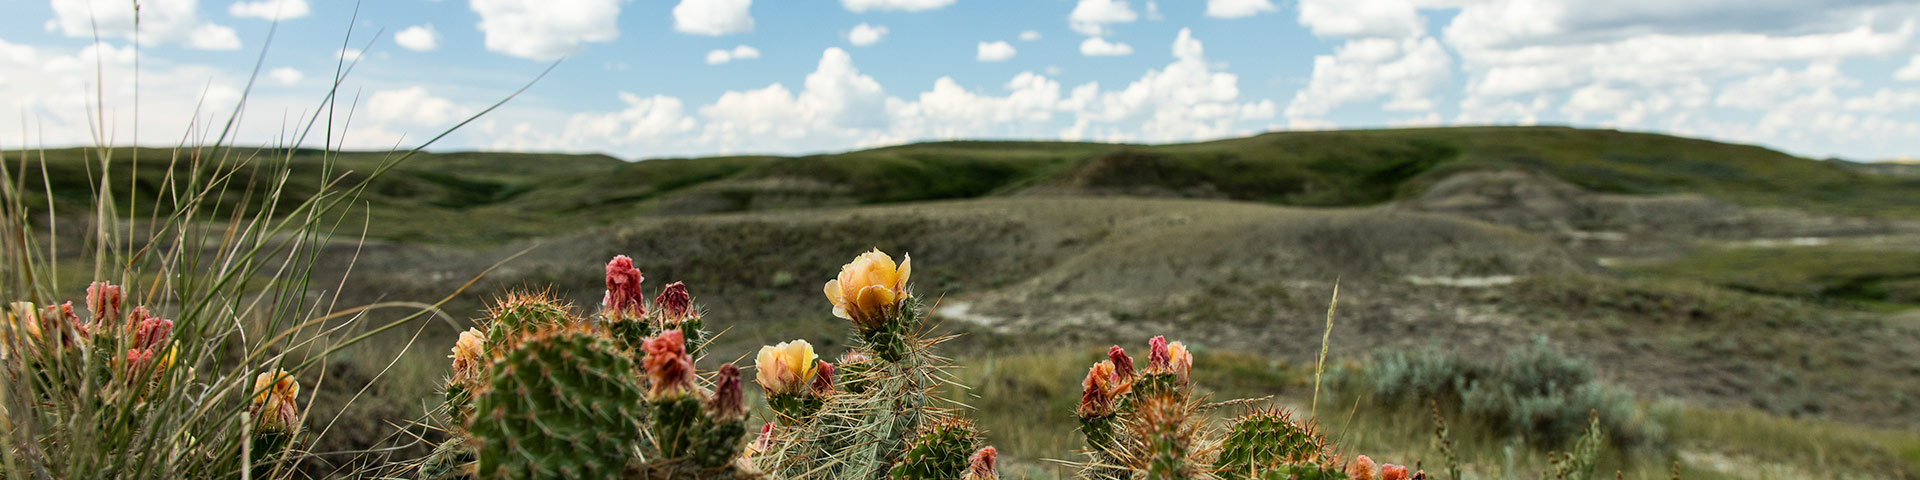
(430, 197)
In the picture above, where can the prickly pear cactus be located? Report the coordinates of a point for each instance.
(941, 452)
(522, 314)
(563, 404)
(1271, 444)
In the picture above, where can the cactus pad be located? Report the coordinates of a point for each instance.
(941, 452)
(1271, 441)
(563, 404)
(523, 314)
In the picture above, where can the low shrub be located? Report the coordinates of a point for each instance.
(1534, 392)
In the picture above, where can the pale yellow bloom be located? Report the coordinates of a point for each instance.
(870, 288)
(467, 356)
(785, 368)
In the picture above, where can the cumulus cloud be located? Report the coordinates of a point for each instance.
(1909, 72)
(713, 17)
(836, 104)
(1407, 74)
(270, 9)
(419, 38)
(1238, 8)
(647, 126)
(862, 6)
(994, 52)
(1100, 47)
(1029, 35)
(864, 34)
(741, 52)
(414, 106)
(546, 29)
(1091, 17)
(286, 75)
(55, 92)
(161, 22)
(1361, 18)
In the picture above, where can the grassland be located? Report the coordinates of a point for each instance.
(1041, 252)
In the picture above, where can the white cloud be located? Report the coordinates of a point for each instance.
(836, 106)
(648, 126)
(1029, 35)
(270, 9)
(864, 34)
(862, 6)
(349, 54)
(286, 75)
(1406, 73)
(55, 92)
(414, 106)
(994, 52)
(1100, 47)
(1909, 72)
(1186, 100)
(1360, 18)
(546, 29)
(741, 52)
(713, 17)
(1091, 17)
(1238, 8)
(419, 38)
(1767, 91)
(161, 22)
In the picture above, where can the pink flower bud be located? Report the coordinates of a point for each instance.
(624, 297)
(981, 465)
(822, 379)
(674, 302)
(152, 333)
(103, 302)
(1361, 469)
(1157, 361)
(729, 402)
(1122, 364)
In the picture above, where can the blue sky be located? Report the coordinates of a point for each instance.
(663, 78)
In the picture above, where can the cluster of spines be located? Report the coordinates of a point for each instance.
(1271, 439)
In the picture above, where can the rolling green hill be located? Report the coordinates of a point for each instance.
(533, 195)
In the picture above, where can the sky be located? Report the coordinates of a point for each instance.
(641, 79)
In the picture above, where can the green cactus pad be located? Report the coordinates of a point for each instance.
(673, 425)
(563, 404)
(940, 452)
(1271, 441)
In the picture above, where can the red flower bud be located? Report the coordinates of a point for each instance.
(729, 402)
(674, 302)
(822, 379)
(1122, 364)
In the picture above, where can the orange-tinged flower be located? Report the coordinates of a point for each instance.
(1099, 389)
(274, 408)
(152, 332)
(467, 354)
(669, 370)
(1180, 360)
(870, 288)
(1361, 469)
(1393, 472)
(786, 368)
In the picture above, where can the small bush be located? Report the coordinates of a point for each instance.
(1534, 392)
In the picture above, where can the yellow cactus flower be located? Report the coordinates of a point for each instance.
(869, 289)
(466, 356)
(274, 406)
(787, 368)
